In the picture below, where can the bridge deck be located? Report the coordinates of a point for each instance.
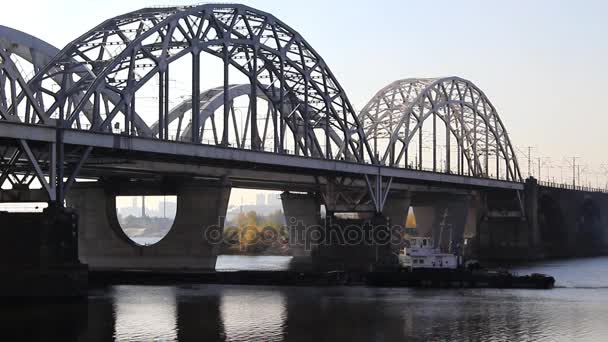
(177, 152)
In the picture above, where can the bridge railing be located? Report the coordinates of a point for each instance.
(572, 187)
(117, 130)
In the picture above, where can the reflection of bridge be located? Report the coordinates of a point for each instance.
(108, 107)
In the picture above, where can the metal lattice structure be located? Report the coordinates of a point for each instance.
(211, 104)
(21, 162)
(472, 131)
(65, 113)
(103, 71)
(16, 47)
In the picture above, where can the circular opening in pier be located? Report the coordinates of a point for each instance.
(146, 219)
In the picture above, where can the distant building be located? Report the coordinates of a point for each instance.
(167, 209)
(130, 211)
(274, 200)
(260, 199)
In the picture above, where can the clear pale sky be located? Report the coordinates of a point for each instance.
(542, 63)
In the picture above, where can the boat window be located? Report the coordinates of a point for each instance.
(424, 242)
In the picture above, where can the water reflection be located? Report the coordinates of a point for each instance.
(253, 314)
(48, 322)
(246, 313)
(142, 311)
(226, 263)
(233, 313)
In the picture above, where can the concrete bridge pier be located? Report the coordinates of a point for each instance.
(509, 229)
(303, 219)
(38, 255)
(425, 217)
(471, 227)
(451, 215)
(444, 218)
(192, 242)
(396, 209)
(348, 237)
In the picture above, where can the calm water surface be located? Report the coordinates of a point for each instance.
(577, 310)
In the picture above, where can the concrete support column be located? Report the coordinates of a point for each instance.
(472, 226)
(103, 244)
(425, 217)
(38, 255)
(603, 206)
(443, 217)
(531, 209)
(396, 209)
(302, 216)
(449, 225)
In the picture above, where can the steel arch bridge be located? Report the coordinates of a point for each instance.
(122, 55)
(95, 95)
(395, 117)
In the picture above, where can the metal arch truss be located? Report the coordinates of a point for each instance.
(395, 116)
(212, 100)
(23, 162)
(13, 86)
(94, 82)
(101, 72)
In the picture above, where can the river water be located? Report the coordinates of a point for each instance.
(577, 310)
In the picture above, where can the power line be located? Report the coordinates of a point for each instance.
(573, 164)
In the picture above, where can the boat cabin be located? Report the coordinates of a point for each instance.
(422, 254)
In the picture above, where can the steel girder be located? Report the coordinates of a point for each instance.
(121, 55)
(395, 116)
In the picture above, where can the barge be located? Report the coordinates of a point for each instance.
(457, 278)
(420, 265)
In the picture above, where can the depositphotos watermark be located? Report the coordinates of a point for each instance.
(297, 234)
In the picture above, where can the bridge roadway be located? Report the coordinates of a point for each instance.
(250, 167)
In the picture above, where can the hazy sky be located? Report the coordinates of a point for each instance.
(542, 63)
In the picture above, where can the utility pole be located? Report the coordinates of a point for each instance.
(530, 161)
(574, 171)
(544, 161)
(605, 172)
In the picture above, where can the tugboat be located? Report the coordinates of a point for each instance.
(428, 266)
(421, 254)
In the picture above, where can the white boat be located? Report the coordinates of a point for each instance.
(422, 254)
